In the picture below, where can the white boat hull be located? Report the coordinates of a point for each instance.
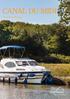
(36, 79)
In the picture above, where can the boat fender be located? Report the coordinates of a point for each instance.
(25, 81)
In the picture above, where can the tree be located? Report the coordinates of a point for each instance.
(63, 37)
(18, 32)
(64, 11)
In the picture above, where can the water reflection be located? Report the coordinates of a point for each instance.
(31, 92)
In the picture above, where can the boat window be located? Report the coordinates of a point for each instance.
(32, 63)
(22, 63)
(10, 64)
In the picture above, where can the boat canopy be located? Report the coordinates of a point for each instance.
(12, 51)
(12, 46)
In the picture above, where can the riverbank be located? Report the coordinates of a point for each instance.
(59, 71)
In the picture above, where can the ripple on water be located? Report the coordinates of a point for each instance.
(32, 92)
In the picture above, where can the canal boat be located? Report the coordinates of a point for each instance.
(25, 70)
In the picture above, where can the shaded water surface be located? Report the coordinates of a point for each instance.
(33, 92)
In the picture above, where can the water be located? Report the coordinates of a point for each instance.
(33, 92)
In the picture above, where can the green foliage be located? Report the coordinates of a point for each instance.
(41, 41)
(64, 11)
(62, 58)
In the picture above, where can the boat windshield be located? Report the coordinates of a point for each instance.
(26, 63)
(33, 63)
(22, 63)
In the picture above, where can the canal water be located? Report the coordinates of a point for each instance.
(21, 91)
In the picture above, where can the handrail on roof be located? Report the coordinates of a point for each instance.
(8, 48)
(11, 46)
